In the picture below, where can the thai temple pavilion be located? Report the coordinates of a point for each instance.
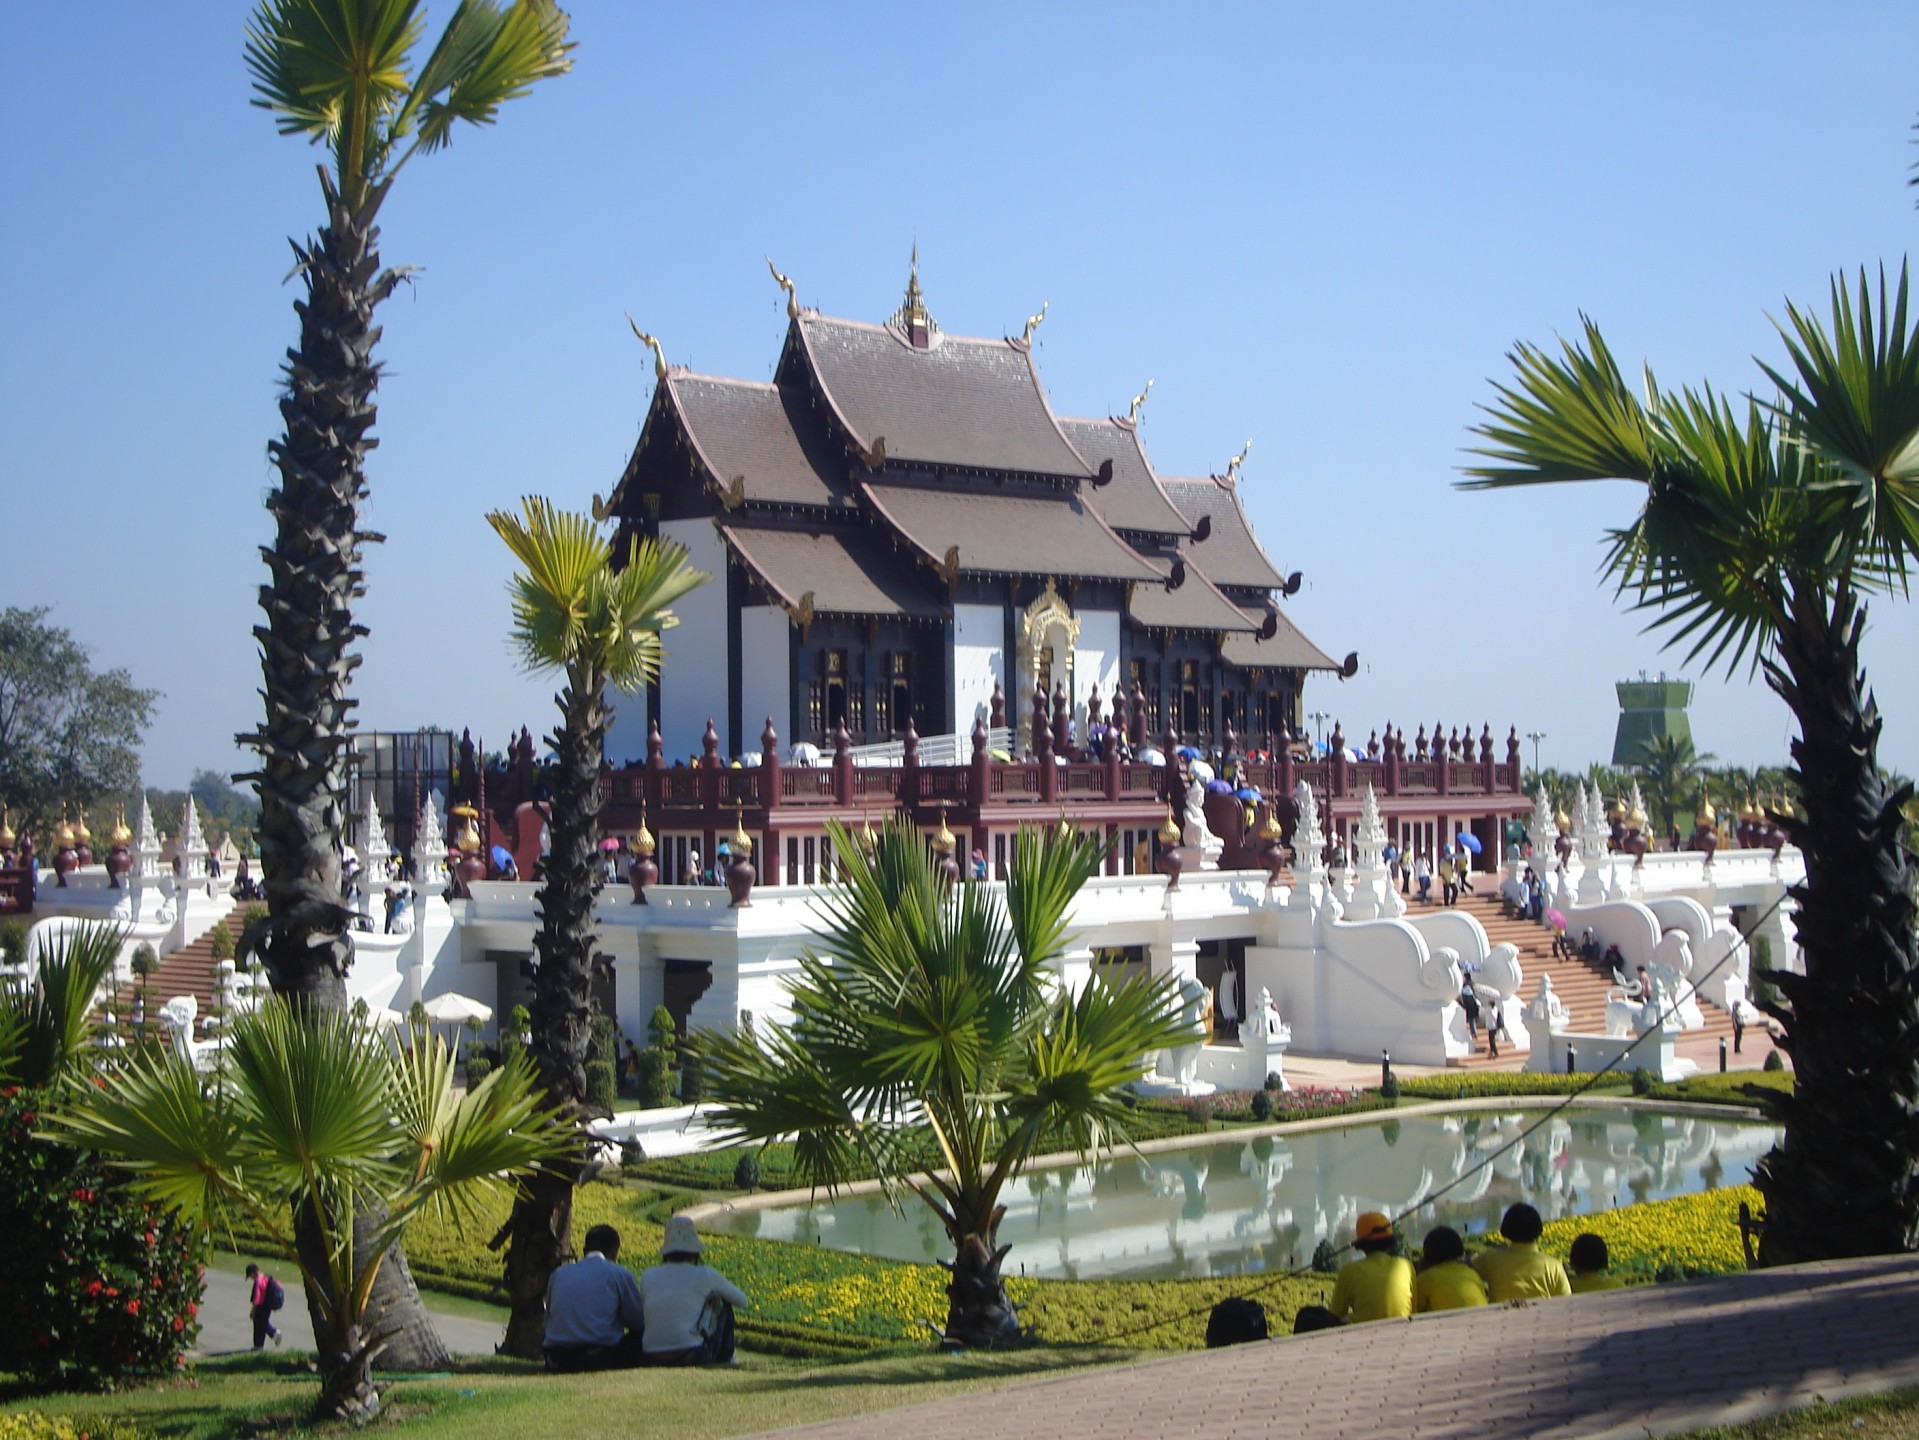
(900, 529)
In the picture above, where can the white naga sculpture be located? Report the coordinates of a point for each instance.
(1184, 1059)
(1193, 830)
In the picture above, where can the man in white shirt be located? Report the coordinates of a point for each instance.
(688, 1304)
(593, 1310)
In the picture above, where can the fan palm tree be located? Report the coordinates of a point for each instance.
(314, 1114)
(339, 72)
(575, 611)
(45, 1027)
(930, 1047)
(1765, 527)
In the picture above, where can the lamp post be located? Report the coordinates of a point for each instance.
(1319, 719)
(1535, 736)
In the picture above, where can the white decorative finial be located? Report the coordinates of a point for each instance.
(373, 842)
(147, 846)
(1309, 841)
(429, 849)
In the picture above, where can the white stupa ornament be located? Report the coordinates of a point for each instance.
(429, 850)
(1543, 831)
(1309, 841)
(374, 849)
(1370, 836)
(146, 845)
(193, 844)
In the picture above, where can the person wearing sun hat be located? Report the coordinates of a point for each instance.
(1378, 1285)
(689, 1305)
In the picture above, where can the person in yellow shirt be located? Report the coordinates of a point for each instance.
(1518, 1271)
(1590, 1260)
(1378, 1285)
(1446, 1281)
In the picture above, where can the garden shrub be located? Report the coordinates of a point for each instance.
(600, 1090)
(1199, 1109)
(661, 1030)
(96, 1284)
(220, 942)
(1326, 1258)
(656, 1078)
(478, 1067)
(746, 1173)
(13, 938)
(602, 1040)
(692, 1070)
(1389, 1087)
(1643, 1081)
(1275, 1080)
(1773, 1061)
(1470, 1085)
(1262, 1106)
(34, 1425)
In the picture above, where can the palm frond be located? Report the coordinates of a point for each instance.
(486, 57)
(47, 1027)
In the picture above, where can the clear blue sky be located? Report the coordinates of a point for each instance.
(1320, 227)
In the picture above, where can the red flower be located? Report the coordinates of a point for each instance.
(94, 1287)
(83, 1195)
(193, 1307)
(101, 1081)
(111, 1292)
(150, 1237)
(133, 1307)
(179, 1322)
(9, 1092)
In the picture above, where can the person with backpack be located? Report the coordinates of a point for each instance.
(264, 1296)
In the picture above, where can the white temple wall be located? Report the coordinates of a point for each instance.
(766, 655)
(693, 673)
(1096, 657)
(975, 659)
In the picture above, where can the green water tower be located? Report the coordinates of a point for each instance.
(1649, 709)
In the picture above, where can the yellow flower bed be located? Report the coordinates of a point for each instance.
(1687, 1235)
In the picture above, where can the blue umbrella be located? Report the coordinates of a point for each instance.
(1248, 793)
(501, 857)
(1219, 787)
(1470, 841)
(1188, 752)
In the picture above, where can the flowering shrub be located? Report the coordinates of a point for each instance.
(95, 1283)
(1672, 1239)
(32, 1425)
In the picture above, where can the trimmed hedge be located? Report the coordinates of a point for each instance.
(1477, 1084)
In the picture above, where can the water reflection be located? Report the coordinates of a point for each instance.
(1248, 1205)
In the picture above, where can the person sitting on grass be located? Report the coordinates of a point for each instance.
(1517, 1271)
(1377, 1286)
(593, 1310)
(1591, 1262)
(689, 1305)
(1445, 1280)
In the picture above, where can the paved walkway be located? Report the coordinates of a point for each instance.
(1652, 1360)
(225, 1326)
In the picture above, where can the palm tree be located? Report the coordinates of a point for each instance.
(1765, 527)
(338, 72)
(45, 1028)
(930, 1047)
(1667, 766)
(574, 611)
(314, 1114)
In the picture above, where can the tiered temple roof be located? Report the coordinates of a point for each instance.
(887, 462)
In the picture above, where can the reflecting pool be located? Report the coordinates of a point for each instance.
(1246, 1205)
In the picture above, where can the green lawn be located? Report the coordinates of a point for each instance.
(504, 1400)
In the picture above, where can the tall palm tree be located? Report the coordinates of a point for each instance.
(1765, 526)
(339, 72)
(313, 1114)
(929, 1046)
(576, 611)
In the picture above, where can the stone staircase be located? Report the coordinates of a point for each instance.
(186, 971)
(1581, 986)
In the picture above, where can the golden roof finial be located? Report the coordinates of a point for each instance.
(792, 295)
(643, 841)
(742, 842)
(1707, 816)
(1033, 322)
(1139, 404)
(469, 841)
(119, 836)
(1232, 465)
(913, 311)
(81, 835)
(63, 834)
(659, 350)
(943, 841)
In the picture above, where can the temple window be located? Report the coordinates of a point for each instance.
(898, 692)
(1188, 700)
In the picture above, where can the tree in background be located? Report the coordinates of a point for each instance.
(69, 736)
(598, 623)
(1668, 769)
(932, 1046)
(1766, 525)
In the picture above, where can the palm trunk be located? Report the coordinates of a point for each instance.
(306, 645)
(979, 1314)
(540, 1230)
(1844, 1181)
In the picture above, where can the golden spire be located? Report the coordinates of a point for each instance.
(742, 842)
(469, 841)
(1707, 816)
(63, 834)
(913, 313)
(118, 837)
(643, 842)
(1269, 830)
(1638, 817)
(81, 835)
(944, 842)
(1169, 833)
(867, 838)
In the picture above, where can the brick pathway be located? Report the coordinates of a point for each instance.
(1653, 1360)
